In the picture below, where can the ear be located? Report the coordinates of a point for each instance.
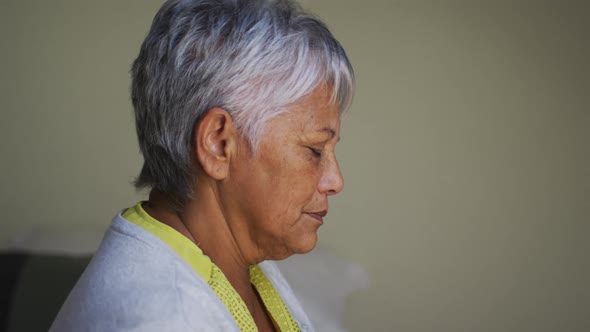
(215, 137)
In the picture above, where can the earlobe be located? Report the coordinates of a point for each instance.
(214, 137)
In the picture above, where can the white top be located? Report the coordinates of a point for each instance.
(135, 282)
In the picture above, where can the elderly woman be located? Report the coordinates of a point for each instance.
(237, 106)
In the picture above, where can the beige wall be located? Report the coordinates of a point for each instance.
(466, 155)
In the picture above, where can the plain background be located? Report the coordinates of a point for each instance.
(466, 155)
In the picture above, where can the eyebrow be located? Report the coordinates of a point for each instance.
(330, 131)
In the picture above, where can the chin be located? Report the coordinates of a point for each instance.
(303, 246)
(306, 245)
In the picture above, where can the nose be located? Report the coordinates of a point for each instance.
(332, 181)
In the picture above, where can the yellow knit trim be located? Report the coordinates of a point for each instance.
(190, 253)
(232, 300)
(183, 247)
(272, 300)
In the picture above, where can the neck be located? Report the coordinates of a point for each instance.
(202, 221)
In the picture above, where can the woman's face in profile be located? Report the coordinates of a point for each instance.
(282, 190)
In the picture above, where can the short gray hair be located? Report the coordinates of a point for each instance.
(252, 58)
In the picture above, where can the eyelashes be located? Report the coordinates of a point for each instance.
(316, 152)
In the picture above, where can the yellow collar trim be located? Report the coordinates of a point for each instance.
(183, 247)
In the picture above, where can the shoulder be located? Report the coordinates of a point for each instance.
(137, 283)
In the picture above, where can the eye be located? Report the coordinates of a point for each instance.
(316, 152)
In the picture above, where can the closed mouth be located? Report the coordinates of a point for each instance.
(319, 216)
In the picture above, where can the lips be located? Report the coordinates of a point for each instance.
(319, 216)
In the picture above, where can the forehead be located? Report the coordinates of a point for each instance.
(315, 112)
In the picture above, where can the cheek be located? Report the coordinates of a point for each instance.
(286, 183)
(282, 187)
(296, 186)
